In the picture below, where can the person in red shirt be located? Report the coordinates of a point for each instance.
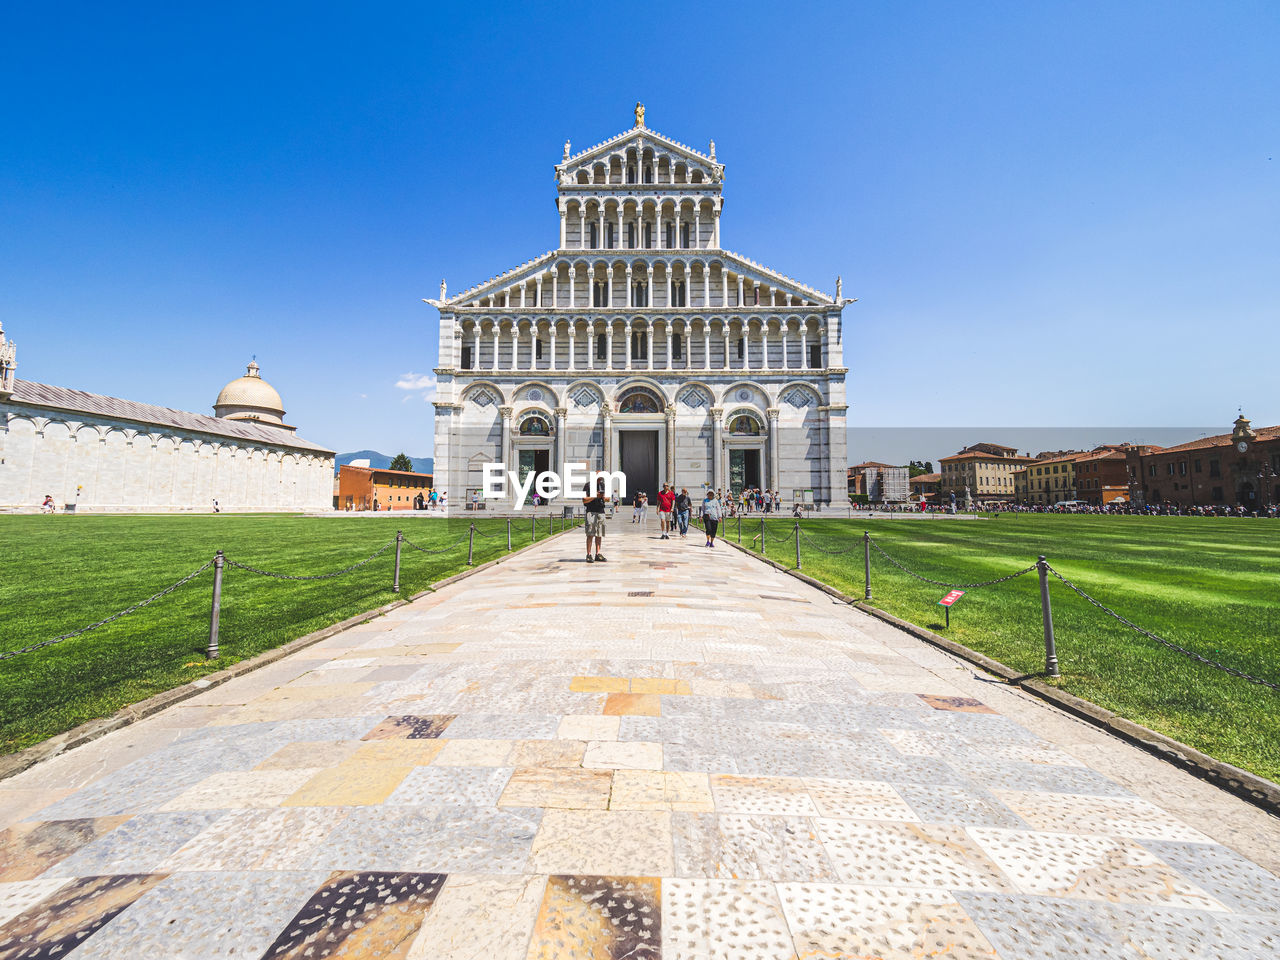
(666, 503)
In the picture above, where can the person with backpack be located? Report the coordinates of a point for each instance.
(683, 506)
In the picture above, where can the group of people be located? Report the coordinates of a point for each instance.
(675, 512)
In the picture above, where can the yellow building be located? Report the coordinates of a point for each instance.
(982, 472)
(1052, 480)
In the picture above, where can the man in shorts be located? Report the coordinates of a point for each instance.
(593, 506)
(666, 502)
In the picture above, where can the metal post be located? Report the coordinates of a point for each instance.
(471, 542)
(739, 528)
(508, 534)
(1050, 647)
(395, 581)
(762, 551)
(866, 563)
(216, 610)
(533, 528)
(797, 544)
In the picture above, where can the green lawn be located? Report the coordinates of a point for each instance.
(1210, 585)
(61, 573)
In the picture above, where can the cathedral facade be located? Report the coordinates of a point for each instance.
(640, 344)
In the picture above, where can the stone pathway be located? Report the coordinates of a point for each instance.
(678, 754)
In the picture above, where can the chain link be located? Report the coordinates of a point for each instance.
(102, 623)
(953, 586)
(409, 543)
(1168, 643)
(830, 553)
(319, 576)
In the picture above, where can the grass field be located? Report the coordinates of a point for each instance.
(1211, 585)
(61, 573)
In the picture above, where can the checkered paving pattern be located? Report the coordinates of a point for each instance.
(677, 754)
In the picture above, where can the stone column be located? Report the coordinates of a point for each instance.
(606, 437)
(582, 226)
(804, 347)
(697, 226)
(562, 216)
(608, 289)
(573, 333)
(551, 361)
(764, 344)
(715, 228)
(505, 455)
(497, 333)
(773, 447)
(706, 287)
(537, 286)
(648, 346)
(668, 286)
(660, 240)
(608, 345)
(631, 290)
(626, 353)
(600, 230)
(561, 449)
(717, 442)
(671, 444)
(727, 363)
(618, 235)
(706, 345)
(475, 347)
(675, 231)
(739, 289)
(573, 273)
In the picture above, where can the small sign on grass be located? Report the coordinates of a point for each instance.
(948, 600)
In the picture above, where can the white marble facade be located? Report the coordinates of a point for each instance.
(641, 339)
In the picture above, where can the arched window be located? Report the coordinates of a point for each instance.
(744, 425)
(595, 236)
(639, 400)
(534, 427)
(648, 174)
(639, 345)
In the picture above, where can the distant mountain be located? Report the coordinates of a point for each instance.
(381, 461)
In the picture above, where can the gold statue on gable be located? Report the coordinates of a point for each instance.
(639, 114)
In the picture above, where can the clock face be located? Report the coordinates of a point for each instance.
(1242, 446)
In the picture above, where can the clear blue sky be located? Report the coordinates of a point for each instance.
(1053, 214)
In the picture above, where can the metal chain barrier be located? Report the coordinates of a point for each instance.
(1161, 640)
(487, 536)
(102, 623)
(458, 542)
(319, 576)
(953, 586)
(830, 553)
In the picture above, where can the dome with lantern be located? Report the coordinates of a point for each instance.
(251, 398)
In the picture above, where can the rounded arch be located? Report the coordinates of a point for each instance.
(534, 422)
(802, 386)
(488, 386)
(642, 384)
(745, 422)
(551, 399)
(731, 395)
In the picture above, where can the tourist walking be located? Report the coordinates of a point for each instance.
(683, 506)
(666, 504)
(47, 506)
(711, 515)
(593, 507)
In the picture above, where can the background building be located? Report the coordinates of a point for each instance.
(1051, 479)
(1102, 476)
(1237, 469)
(368, 488)
(880, 482)
(924, 486)
(640, 344)
(983, 471)
(98, 453)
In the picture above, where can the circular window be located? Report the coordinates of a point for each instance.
(744, 394)
(535, 395)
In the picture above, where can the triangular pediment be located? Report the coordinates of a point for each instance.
(635, 142)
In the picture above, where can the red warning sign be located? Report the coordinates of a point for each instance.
(951, 598)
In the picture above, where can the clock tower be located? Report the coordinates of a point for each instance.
(1243, 436)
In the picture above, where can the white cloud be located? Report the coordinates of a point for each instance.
(424, 383)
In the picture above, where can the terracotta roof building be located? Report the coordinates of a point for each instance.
(880, 482)
(983, 471)
(1236, 469)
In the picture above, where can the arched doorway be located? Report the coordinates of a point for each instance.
(640, 417)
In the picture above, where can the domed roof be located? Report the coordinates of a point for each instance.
(249, 398)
